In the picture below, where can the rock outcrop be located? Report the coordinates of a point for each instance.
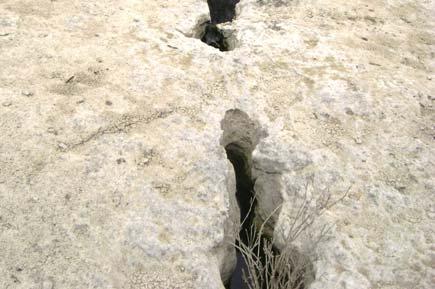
(112, 170)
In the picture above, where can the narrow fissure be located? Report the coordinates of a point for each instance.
(244, 186)
(240, 158)
(240, 136)
(246, 201)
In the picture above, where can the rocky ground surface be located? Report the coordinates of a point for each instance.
(112, 172)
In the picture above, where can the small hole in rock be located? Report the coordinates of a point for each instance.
(221, 11)
(214, 37)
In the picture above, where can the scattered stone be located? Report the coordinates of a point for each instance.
(52, 130)
(349, 111)
(358, 140)
(7, 103)
(364, 38)
(27, 93)
(120, 161)
(70, 79)
(108, 102)
(374, 64)
(62, 146)
(143, 162)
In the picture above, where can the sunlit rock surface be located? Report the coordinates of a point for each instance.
(112, 174)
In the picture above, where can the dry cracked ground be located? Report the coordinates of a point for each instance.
(112, 169)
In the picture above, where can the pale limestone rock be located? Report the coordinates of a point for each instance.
(139, 193)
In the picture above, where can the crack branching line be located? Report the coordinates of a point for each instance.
(269, 172)
(122, 125)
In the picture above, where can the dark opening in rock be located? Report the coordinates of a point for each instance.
(246, 200)
(272, 268)
(241, 159)
(214, 37)
(240, 136)
(222, 10)
(244, 186)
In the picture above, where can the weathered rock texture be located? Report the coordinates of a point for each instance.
(112, 174)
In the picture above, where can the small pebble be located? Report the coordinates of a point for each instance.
(27, 93)
(358, 140)
(143, 162)
(70, 79)
(62, 146)
(7, 103)
(52, 130)
(108, 102)
(349, 111)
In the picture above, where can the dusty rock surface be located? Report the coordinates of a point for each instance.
(112, 173)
